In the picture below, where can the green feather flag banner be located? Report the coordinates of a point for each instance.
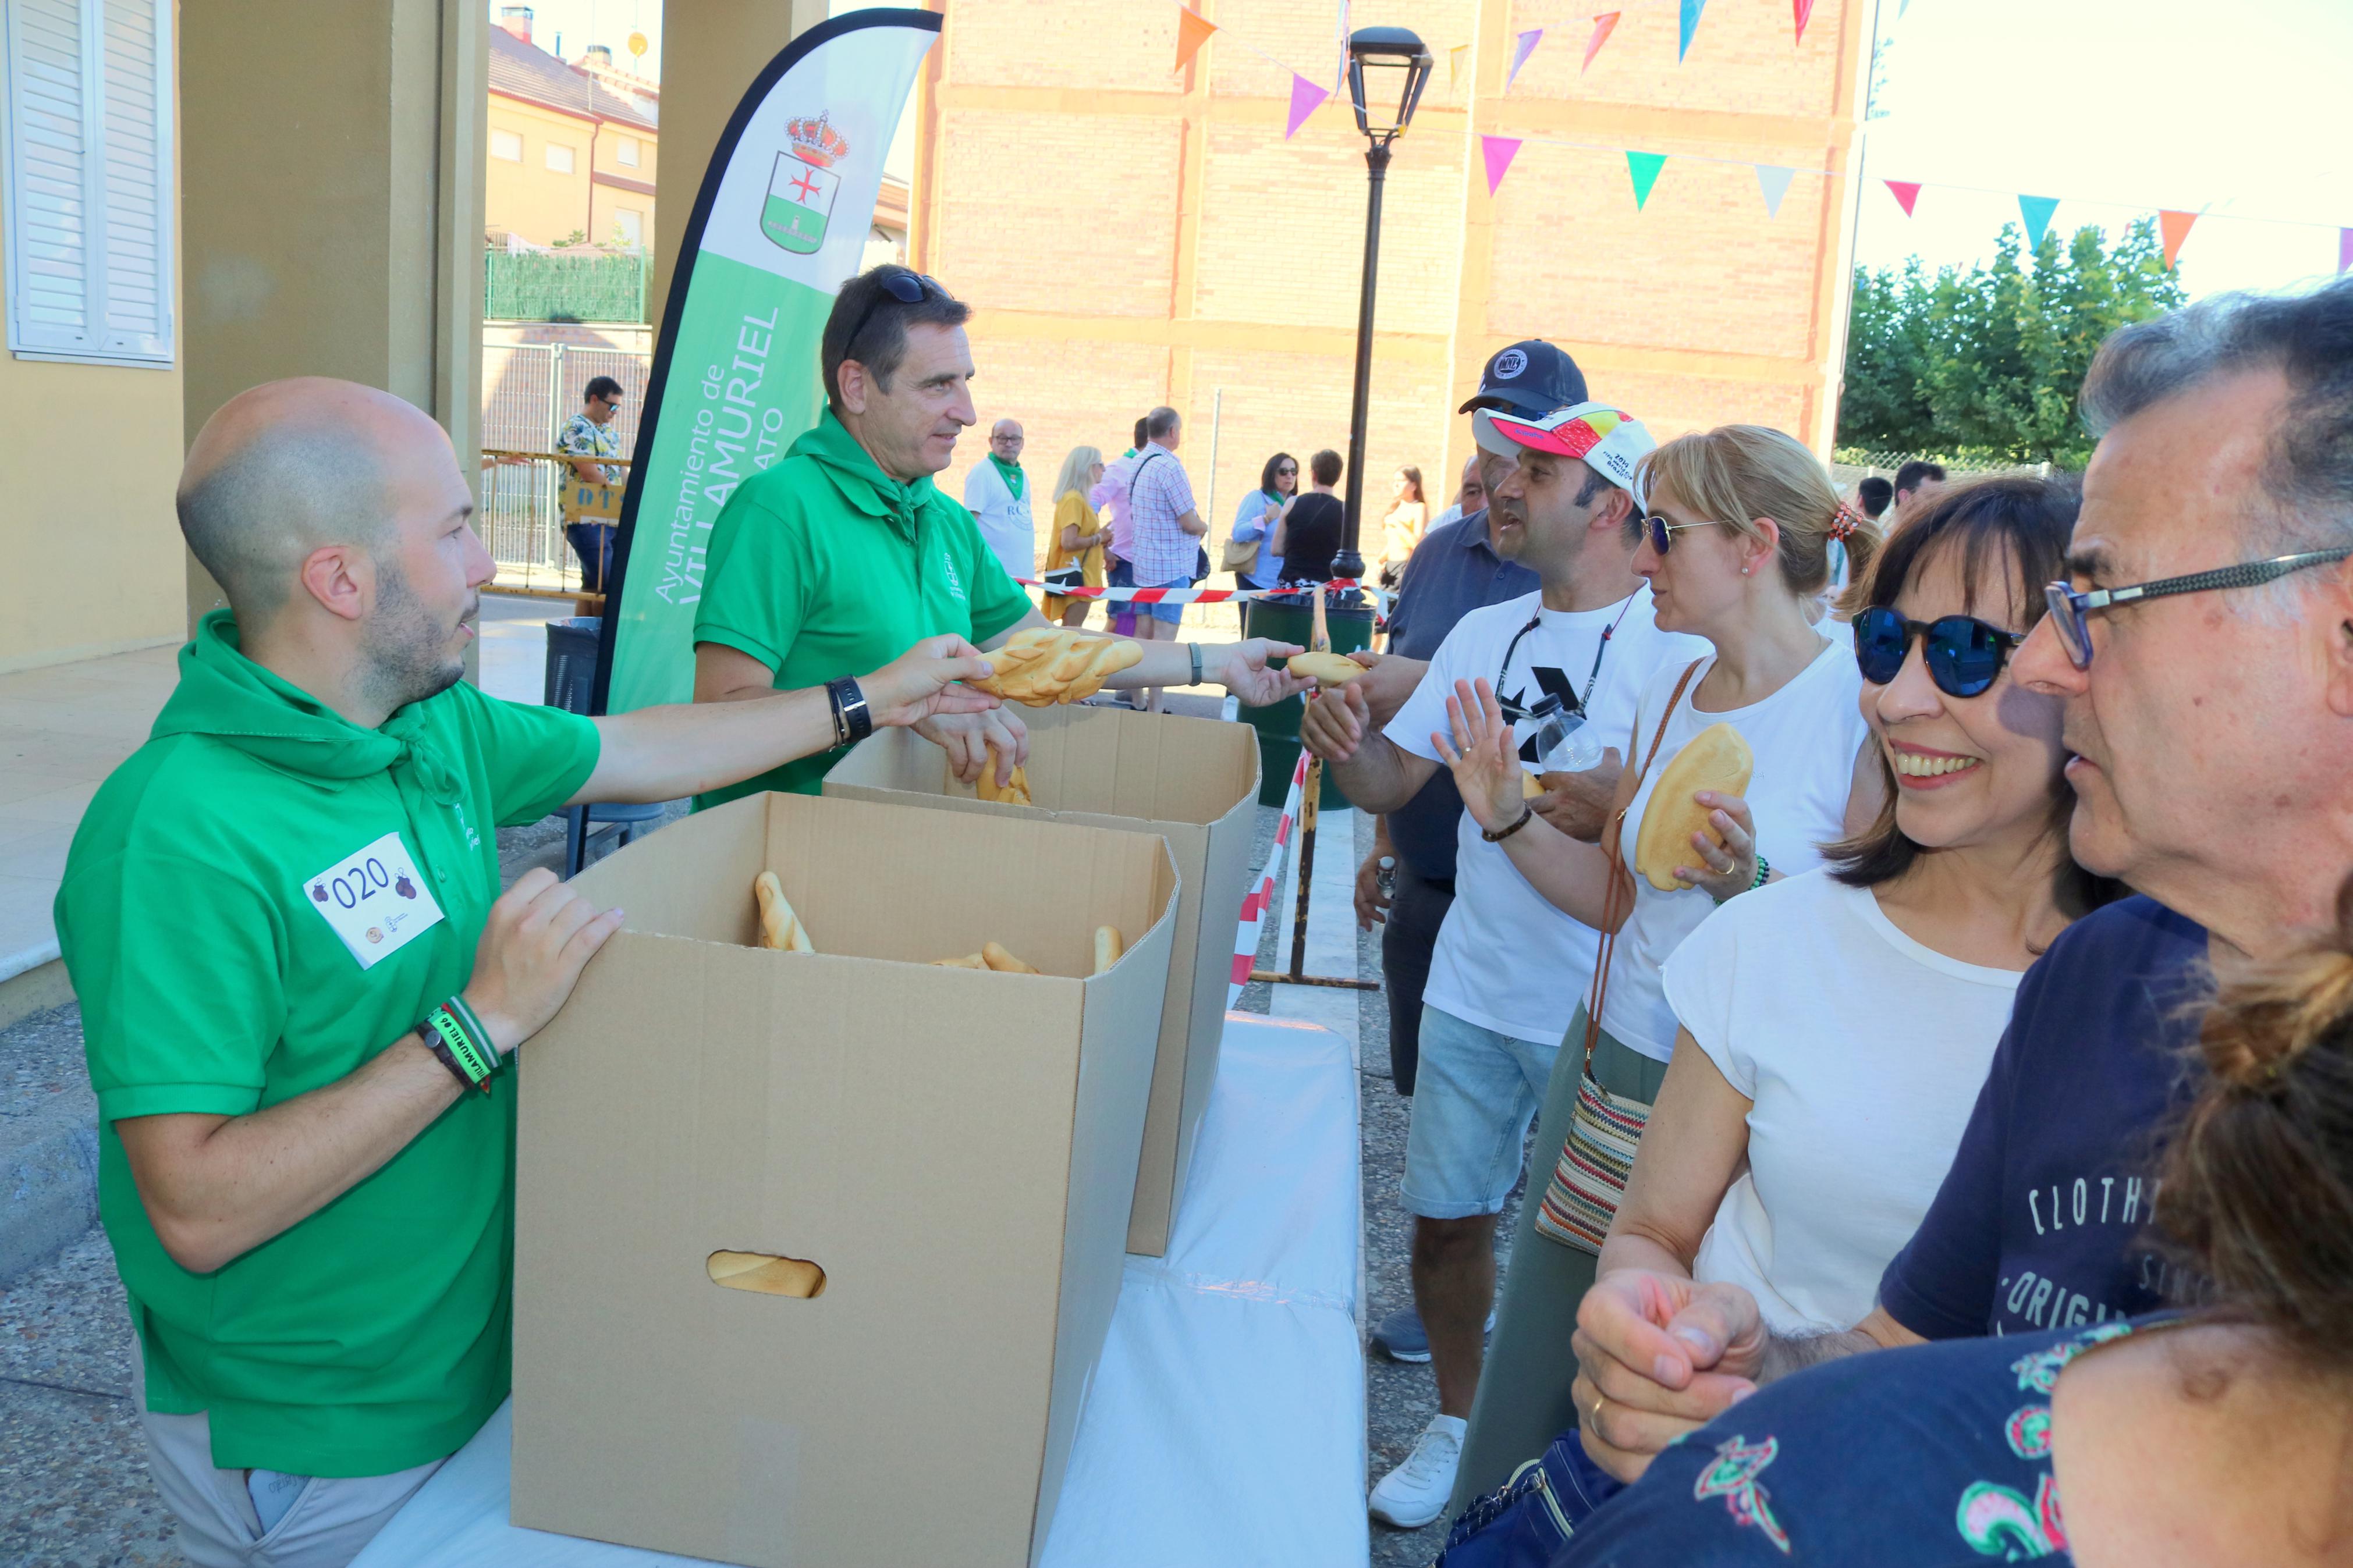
(1645, 167)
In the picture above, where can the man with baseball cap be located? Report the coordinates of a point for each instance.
(1508, 964)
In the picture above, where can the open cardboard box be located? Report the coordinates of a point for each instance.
(1193, 781)
(953, 1149)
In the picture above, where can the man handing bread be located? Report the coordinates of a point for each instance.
(846, 547)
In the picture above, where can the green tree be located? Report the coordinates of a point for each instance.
(1987, 362)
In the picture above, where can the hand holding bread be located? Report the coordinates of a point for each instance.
(1043, 666)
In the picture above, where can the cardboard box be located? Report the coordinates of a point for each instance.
(954, 1148)
(1194, 782)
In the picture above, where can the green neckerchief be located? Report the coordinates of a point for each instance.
(860, 481)
(227, 696)
(1009, 472)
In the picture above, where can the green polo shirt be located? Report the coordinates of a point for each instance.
(824, 566)
(372, 1335)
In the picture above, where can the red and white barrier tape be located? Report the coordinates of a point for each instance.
(1204, 596)
(1262, 894)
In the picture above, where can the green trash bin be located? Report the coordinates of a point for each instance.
(1278, 726)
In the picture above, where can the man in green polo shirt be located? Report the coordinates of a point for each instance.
(846, 547)
(308, 1194)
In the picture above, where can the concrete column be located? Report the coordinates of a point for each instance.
(331, 199)
(711, 51)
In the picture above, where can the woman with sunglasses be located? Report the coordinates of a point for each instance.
(1734, 548)
(1260, 510)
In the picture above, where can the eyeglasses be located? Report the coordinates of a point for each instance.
(907, 288)
(1964, 655)
(1663, 532)
(2071, 610)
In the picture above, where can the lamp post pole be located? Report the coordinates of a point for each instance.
(1349, 563)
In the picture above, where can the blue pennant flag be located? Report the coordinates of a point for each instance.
(2037, 211)
(1691, 8)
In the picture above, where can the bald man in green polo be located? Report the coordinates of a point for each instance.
(300, 983)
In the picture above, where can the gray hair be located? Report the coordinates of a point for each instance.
(2307, 478)
(1160, 422)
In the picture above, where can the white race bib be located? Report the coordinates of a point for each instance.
(376, 900)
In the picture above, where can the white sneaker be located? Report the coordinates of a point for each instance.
(1415, 1493)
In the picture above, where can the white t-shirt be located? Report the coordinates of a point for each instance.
(1003, 518)
(1863, 1053)
(1508, 958)
(1805, 737)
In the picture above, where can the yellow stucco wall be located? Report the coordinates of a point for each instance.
(529, 199)
(89, 550)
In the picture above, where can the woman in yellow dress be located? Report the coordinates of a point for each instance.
(1079, 536)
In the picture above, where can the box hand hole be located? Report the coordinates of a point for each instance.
(768, 1274)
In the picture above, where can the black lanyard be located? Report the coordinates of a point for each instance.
(1512, 710)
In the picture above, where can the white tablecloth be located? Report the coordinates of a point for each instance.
(1227, 1420)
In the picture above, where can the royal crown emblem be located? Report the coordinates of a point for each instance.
(816, 141)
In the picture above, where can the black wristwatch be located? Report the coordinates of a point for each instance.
(852, 720)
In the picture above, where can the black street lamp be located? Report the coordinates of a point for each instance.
(1387, 67)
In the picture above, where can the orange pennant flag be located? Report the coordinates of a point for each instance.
(1193, 30)
(2174, 227)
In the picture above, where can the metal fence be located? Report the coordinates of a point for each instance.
(529, 390)
(1849, 464)
(566, 286)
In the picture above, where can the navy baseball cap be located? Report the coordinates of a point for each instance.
(1530, 379)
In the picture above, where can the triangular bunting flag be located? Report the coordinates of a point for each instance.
(1804, 11)
(1193, 30)
(1691, 8)
(2174, 228)
(1773, 183)
(1645, 167)
(1499, 151)
(1454, 58)
(1601, 26)
(1905, 193)
(2344, 250)
(1305, 98)
(2037, 211)
(1526, 46)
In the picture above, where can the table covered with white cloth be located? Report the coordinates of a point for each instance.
(1226, 1423)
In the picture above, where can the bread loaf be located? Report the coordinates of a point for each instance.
(1327, 668)
(1715, 759)
(1108, 947)
(1044, 666)
(780, 927)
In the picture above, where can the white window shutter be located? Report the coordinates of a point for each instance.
(90, 180)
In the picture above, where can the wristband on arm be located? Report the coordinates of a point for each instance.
(852, 720)
(457, 1040)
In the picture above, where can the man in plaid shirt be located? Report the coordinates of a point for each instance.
(1165, 530)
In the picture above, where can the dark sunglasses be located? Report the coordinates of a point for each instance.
(1663, 532)
(1964, 655)
(907, 288)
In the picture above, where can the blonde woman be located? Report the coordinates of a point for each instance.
(1403, 525)
(1735, 546)
(1079, 535)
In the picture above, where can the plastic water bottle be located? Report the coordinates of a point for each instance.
(1578, 750)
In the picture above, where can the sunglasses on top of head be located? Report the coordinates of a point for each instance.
(907, 288)
(1964, 656)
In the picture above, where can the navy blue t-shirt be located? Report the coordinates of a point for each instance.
(1935, 1457)
(2041, 1221)
(1452, 572)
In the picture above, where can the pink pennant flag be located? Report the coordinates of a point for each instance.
(1601, 26)
(1519, 53)
(1906, 192)
(1305, 98)
(2344, 250)
(1804, 12)
(1499, 151)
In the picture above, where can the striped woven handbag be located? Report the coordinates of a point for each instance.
(1597, 1159)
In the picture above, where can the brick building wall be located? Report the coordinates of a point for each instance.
(1131, 235)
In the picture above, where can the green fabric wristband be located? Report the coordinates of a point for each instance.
(469, 1044)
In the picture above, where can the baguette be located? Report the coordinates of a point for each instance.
(1327, 668)
(1716, 759)
(1108, 947)
(994, 955)
(779, 928)
(969, 961)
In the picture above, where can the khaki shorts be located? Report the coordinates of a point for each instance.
(327, 1523)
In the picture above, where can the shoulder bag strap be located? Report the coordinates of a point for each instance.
(1617, 902)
